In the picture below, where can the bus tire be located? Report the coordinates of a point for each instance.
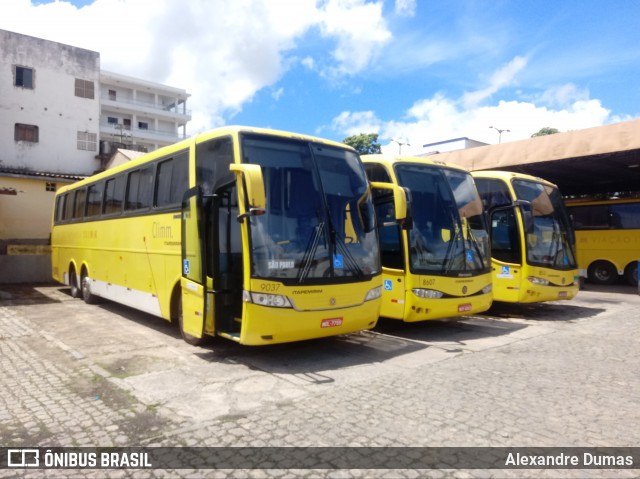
(85, 284)
(188, 338)
(74, 283)
(631, 273)
(602, 272)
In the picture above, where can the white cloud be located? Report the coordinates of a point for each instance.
(360, 31)
(357, 122)
(440, 118)
(563, 95)
(221, 52)
(406, 8)
(502, 77)
(276, 95)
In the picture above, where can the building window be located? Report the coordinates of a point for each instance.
(112, 120)
(127, 123)
(24, 77)
(85, 89)
(87, 141)
(112, 95)
(49, 186)
(26, 133)
(143, 125)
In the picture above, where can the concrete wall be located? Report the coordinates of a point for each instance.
(27, 213)
(51, 105)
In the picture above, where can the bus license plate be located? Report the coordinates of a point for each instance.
(562, 294)
(463, 308)
(331, 323)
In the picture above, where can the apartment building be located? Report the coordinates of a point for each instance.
(139, 115)
(62, 118)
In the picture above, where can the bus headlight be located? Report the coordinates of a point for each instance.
(538, 281)
(487, 289)
(264, 299)
(374, 293)
(427, 293)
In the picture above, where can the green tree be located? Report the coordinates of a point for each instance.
(364, 143)
(547, 130)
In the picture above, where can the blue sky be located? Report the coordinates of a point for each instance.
(418, 71)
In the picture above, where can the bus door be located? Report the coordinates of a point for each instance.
(226, 265)
(193, 310)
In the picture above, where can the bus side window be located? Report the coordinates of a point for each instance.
(114, 195)
(139, 189)
(68, 207)
(94, 199)
(505, 244)
(213, 158)
(172, 181)
(627, 216)
(79, 199)
(377, 172)
(59, 208)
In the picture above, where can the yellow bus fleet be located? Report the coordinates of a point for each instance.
(255, 235)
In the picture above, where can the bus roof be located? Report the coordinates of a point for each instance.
(395, 159)
(233, 130)
(509, 175)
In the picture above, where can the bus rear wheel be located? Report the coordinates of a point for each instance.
(602, 272)
(74, 283)
(188, 338)
(631, 273)
(87, 295)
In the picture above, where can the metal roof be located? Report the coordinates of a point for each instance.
(21, 172)
(604, 159)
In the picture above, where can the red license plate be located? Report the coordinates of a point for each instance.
(463, 308)
(331, 323)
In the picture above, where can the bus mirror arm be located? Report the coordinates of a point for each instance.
(526, 209)
(401, 202)
(253, 187)
(251, 212)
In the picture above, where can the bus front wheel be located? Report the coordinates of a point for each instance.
(602, 272)
(189, 339)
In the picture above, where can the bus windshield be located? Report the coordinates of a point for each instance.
(449, 235)
(551, 242)
(319, 223)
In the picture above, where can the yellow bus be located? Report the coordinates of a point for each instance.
(608, 238)
(255, 235)
(439, 264)
(532, 240)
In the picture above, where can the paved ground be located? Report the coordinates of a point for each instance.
(556, 374)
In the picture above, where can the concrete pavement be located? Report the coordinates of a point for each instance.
(554, 374)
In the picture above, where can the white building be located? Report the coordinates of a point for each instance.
(50, 106)
(62, 118)
(462, 143)
(139, 114)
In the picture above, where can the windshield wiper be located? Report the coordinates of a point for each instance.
(310, 252)
(351, 261)
(473, 241)
(447, 266)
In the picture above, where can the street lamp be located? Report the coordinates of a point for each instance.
(400, 143)
(500, 133)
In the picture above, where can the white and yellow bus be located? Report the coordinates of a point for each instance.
(532, 240)
(608, 238)
(438, 265)
(255, 235)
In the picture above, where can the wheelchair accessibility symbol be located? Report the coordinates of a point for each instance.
(388, 285)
